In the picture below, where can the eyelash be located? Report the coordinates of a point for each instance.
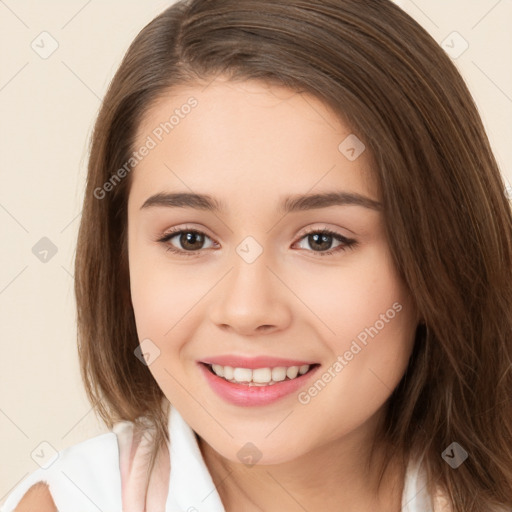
(348, 243)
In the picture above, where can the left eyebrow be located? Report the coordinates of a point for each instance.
(289, 204)
(316, 201)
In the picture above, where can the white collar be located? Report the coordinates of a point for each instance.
(191, 488)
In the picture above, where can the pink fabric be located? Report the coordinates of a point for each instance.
(139, 494)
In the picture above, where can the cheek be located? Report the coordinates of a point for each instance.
(350, 300)
(163, 300)
(152, 306)
(166, 297)
(369, 334)
(160, 297)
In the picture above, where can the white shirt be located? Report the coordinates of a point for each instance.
(86, 477)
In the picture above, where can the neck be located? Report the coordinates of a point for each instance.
(341, 474)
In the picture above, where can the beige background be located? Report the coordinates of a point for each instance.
(48, 108)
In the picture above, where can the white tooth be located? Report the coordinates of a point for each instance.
(278, 373)
(261, 375)
(218, 369)
(242, 374)
(228, 372)
(292, 371)
(303, 369)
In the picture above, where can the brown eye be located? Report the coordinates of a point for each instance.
(320, 242)
(189, 241)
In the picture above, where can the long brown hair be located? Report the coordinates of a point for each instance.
(448, 220)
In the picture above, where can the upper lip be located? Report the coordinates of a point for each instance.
(253, 362)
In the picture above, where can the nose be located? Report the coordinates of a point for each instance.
(251, 299)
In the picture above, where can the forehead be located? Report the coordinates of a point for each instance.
(246, 140)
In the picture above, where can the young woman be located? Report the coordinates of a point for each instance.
(293, 273)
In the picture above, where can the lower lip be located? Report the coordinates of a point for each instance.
(245, 395)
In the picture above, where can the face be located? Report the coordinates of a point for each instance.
(313, 283)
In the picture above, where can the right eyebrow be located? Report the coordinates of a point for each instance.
(184, 200)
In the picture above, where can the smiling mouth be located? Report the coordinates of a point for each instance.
(260, 376)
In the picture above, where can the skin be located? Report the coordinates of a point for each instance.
(38, 497)
(249, 145)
